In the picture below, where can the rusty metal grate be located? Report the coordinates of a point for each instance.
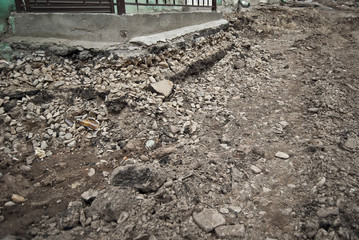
(104, 6)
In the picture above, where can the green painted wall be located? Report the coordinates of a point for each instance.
(6, 6)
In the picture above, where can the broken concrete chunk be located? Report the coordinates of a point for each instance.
(209, 219)
(163, 87)
(325, 212)
(71, 216)
(110, 204)
(89, 195)
(142, 177)
(228, 231)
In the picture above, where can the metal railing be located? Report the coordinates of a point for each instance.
(212, 4)
(105, 6)
(92, 6)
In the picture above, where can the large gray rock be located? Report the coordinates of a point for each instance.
(71, 216)
(142, 177)
(229, 231)
(111, 203)
(209, 219)
(163, 87)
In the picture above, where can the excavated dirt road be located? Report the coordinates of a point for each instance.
(257, 138)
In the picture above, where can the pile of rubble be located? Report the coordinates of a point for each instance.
(219, 136)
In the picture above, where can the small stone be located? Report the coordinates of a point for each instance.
(313, 110)
(234, 209)
(282, 155)
(163, 151)
(28, 69)
(154, 125)
(95, 224)
(91, 172)
(287, 211)
(321, 181)
(71, 216)
(48, 116)
(84, 55)
(48, 78)
(163, 87)
(72, 144)
(50, 131)
(284, 124)
(174, 129)
(31, 158)
(209, 219)
(351, 144)
(228, 231)
(150, 144)
(224, 210)
(25, 168)
(168, 184)
(130, 145)
(9, 204)
(123, 217)
(7, 119)
(34, 231)
(68, 136)
(163, 64)
(255, 169)
(323, 213)
(105, 173)
(89, 195)
(43, 145)
(88, 221)
(144, 158)
(39, 153)
(266, 190)
(2, 218)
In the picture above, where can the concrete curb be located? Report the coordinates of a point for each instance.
(169, 35)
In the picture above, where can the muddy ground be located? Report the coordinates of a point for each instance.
(258, 138)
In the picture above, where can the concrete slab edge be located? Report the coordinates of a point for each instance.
(169, 35)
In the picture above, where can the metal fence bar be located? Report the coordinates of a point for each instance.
(112, 7)
(214, 5)
(121, 8)
(18, 5)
